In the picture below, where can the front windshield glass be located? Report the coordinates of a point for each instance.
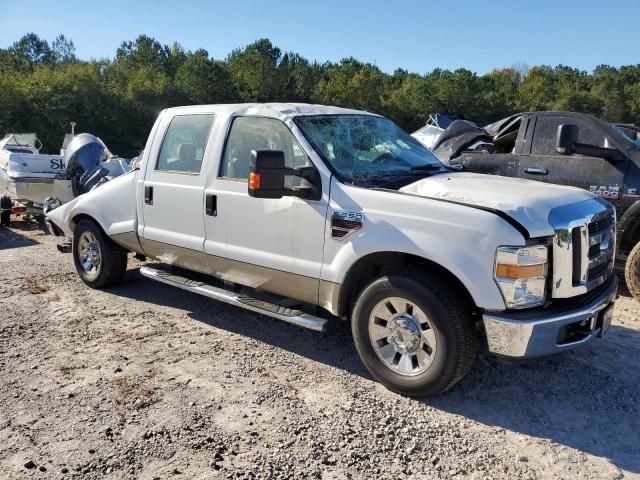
(366, 149)
(629, 133)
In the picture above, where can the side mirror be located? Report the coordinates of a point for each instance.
(566, 138)
(267, 175)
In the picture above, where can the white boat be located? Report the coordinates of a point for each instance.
(429, 134)
(28, 176)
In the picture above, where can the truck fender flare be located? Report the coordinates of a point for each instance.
(629, 227)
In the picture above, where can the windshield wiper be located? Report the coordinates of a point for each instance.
(387, 178)
(428, 166)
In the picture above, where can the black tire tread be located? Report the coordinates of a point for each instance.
(5, 204)
(458, 312)
(114, 260)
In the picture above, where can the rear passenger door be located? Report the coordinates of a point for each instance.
(173, 192)
(543, 163)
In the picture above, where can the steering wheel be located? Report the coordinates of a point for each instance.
(384, 157)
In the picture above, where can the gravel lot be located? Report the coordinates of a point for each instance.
(147, 381)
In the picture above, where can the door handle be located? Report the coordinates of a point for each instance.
(148, 195)
(537, 171)
(211, 205)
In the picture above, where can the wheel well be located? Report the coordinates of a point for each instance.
(630, 237)
(375, 265)
(83, 216)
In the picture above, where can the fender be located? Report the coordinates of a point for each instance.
(461, 239)
(111, 206)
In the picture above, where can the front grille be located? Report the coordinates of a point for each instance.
(595, 272)
(583, 247)
(599, 225)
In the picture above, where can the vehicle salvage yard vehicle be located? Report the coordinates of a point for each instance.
(566, 148)
(306, 213)
(28, 178)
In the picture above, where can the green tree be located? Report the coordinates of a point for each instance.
(200, 79)
(255, 73)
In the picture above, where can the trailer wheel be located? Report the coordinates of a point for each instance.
(413, 333)
(5, 210)
(632, 272)
(100, 262)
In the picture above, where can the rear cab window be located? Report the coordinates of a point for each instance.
(184, 144)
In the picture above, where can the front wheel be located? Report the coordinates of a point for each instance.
(99, 261)
(632, 272)
(413, 333)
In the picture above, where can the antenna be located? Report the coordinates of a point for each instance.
(73, 129)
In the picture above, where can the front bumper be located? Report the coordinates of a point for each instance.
(522, 335)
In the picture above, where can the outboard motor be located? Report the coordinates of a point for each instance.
(82, 158)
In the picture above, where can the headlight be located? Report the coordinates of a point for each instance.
(521, 274)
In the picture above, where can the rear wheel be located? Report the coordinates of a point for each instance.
(632, 272)
(99, 261)
(413, 333)
(5, 210)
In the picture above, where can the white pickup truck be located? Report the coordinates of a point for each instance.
(307, 213)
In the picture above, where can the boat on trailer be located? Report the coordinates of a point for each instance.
(28, 177)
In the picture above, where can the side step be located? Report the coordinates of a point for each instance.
(294, 316)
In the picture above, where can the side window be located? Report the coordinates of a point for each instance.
(544, 136)
(258, 133)
(184, 143)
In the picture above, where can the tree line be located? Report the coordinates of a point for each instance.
(44, 86)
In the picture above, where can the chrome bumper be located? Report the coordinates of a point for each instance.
(523, 335)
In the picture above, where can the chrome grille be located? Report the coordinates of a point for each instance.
(583, 247)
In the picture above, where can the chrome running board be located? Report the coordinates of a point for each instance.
(294, 316)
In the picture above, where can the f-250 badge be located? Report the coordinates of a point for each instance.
(606, 192)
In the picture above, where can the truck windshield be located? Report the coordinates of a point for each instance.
(630, 133)
(368, 150)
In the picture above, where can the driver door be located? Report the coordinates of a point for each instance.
(601, 176)
(271, 244)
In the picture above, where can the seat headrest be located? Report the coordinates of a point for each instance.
(186, 152)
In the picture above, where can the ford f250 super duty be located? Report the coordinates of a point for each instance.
(566, 148)
(307, 213)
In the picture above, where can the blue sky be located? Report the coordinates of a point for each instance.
(415, 35)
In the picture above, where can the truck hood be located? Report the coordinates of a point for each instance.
(526, 201)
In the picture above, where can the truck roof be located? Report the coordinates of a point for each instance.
(282, 111)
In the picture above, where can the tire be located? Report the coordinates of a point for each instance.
(99, 261)
(632, 272)
(438, 318)
(5, 210)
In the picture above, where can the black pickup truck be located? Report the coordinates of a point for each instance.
(566, 148)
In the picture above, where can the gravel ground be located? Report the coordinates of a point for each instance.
(147, 381)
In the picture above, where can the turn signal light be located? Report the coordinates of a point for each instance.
(254, 181)
(519, 271)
